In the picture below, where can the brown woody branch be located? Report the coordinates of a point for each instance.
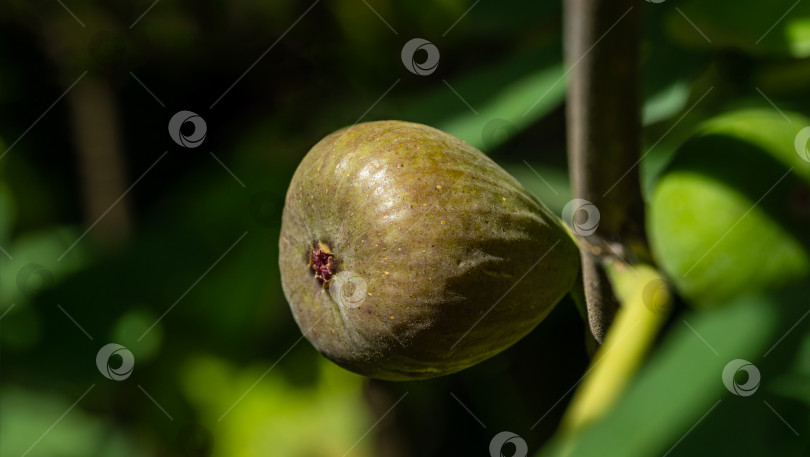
(602, 40)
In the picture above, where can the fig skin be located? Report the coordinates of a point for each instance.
(441, 258)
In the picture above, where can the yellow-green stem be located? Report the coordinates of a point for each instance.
(645, 303)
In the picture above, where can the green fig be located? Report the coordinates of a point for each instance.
(406, 253)
(730, 214)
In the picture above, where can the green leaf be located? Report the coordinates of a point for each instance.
(676, 397)
(761, 28)
(504, 98)
(773, 132)
(31, 425)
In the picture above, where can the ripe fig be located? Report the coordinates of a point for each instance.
(730, 214)
(406, 253)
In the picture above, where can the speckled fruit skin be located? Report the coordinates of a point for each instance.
(457, 260)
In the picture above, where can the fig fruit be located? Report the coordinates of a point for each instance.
(730, 214)
(406, 253)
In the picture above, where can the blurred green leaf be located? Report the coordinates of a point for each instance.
(31, 424)
(780, 27)
(34, 267)
(256, 412)
(710, 225)
(666, 103)
(773, 132)
(488, 106)
(668, 404)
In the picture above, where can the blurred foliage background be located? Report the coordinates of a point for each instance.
(111, 232)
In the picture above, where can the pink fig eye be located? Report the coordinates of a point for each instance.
(323, 263)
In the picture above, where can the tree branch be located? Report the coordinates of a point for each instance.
(602, 40)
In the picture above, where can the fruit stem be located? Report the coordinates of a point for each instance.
(602, 40)
(646, 303)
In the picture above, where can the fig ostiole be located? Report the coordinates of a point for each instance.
(406, 253)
